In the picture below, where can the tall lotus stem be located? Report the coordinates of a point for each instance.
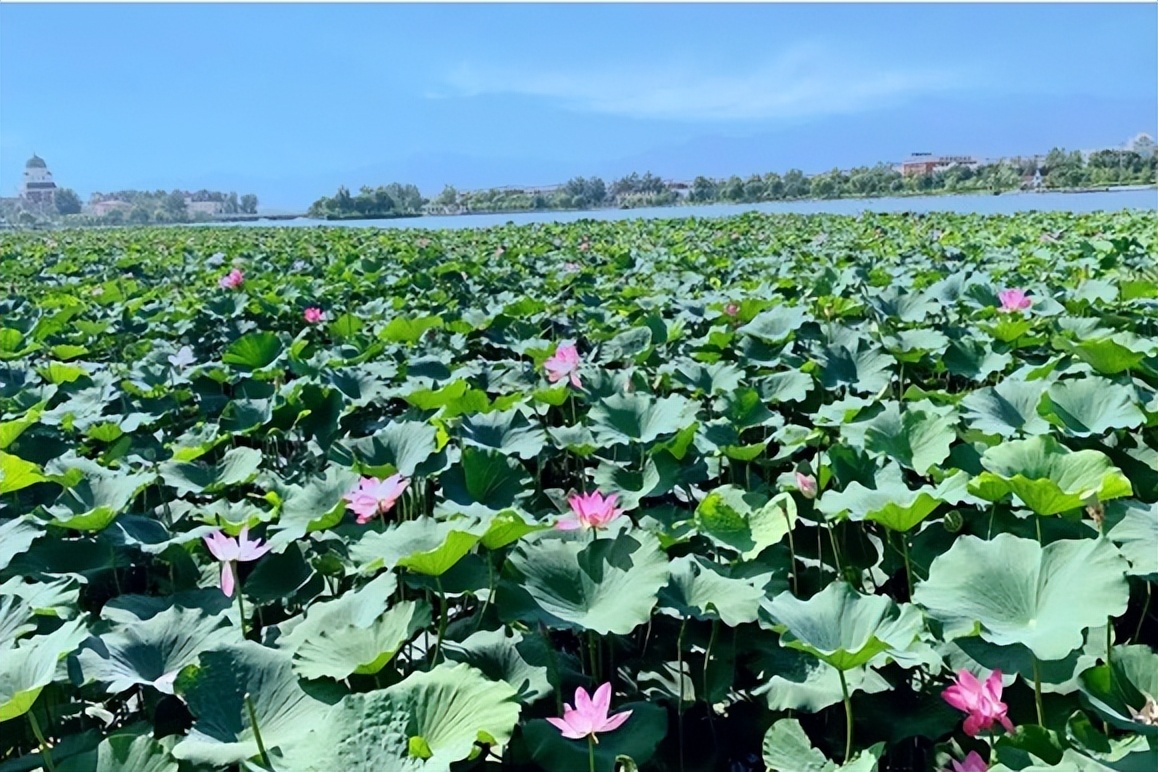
(1037, 691)
(441, 619)
(257, 732)
(240, 602)
(591, 753)
(847, 717)
(908, 566)
(45, 751)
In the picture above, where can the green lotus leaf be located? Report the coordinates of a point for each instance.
(507, 527)
(635, 417)
(1091, 405)
(253, 351)
(340, 651)
(1058, 676)
(424, 723)
(914, 438)
(1119, 691)
(403, 330)
(510, 433)
(627, 345)
(16, 536)
(892, 503)
(486, 478)
(1006, 409)
(702, 590)
(316, 505)
(718, 378)
(775, 325)
(912, 345)
(144, 651)
(245, 415)
(424, 545)
(403, 445)
(794, 680)
(865, 369)
(1048, 477)
(608, 585)
(840, 626)
(236, 467)
(502, 655)
(282, 576)
(215, 691)
(16, 473)
(11, 430)
(1133, 526)
(636, 739)
(46, 599)
(1110, 354)
(974, 359)
(788, 749)
(124, 751)
(92, 504)
(28, 667)
(1014, 591)
(747, 522)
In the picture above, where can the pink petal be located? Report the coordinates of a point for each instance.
(993, 686)
(568, 523)
(583, 704)
(957, 697)
(227, 579)
(602, 699)
(567, 730)
(616, 721)
(1005, 722)
(973, 724)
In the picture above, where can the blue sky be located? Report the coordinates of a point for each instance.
(289, 101)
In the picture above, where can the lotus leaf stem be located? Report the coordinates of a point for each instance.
(1037, 690)
(45, 750)
(240, 601)
(908, 566)
(847, 716)
(257, 732)
(441, 619)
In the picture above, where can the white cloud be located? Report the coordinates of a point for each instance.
(802, 82)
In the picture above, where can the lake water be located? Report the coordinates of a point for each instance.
(1008, 203)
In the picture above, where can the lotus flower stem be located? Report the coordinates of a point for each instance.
(45, 750)
(791, 553)
(847, 717)
(1142, 618)
(1037, 690)
(240, 601)
(908, 566)
(708, 655)
(590, 753)
(257, 732)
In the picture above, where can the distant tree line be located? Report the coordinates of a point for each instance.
(1058, 169)
(393, 200)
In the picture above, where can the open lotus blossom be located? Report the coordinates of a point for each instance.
(564, 363)
(230, 551)
(231, 280)
(972, 763)
(183, 358)
(1013, 300)
(313, 315)
(589, 716)
(981, 701)
(590, 510)
(806, 483)
(374, 496)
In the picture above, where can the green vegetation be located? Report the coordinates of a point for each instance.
(393, 200)
(881, 495)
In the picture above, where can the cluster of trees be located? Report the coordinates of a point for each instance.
(633, 190)
(1105, 167)
(393, 200)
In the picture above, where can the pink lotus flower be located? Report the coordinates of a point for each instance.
(564, 363)
(972, 763)
(1013, 300)
(806, 483)
(230, 551)
(231, 280)
(731, 309)
(589, 510)
(981, 701)
(589, 716)
(570, 267)
(373, 496)
(313, 315)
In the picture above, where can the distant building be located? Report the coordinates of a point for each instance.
(38, 186)
(103, 207)
(927, 163)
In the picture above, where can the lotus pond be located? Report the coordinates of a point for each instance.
(790, 493)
